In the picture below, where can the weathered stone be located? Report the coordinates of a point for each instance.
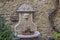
(42, 7)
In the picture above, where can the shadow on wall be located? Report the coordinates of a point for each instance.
(51, 16)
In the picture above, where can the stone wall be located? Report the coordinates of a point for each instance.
(59, 3)
(42, 7)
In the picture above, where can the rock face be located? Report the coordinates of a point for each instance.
(42, 7)
(57, 20)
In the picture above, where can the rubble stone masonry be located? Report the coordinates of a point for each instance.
(41, 16)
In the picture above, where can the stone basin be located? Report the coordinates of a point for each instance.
(36, 34)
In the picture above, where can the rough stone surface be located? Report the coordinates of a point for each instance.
(57, 20)
(42, 7)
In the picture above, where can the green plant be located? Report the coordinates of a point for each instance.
(55, 35)
(5, 30)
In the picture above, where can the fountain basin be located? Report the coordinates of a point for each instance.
(36, 34)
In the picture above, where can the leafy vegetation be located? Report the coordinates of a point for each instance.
(5, 31)
(56, 35)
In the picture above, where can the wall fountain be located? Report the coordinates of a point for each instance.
(25, 28)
